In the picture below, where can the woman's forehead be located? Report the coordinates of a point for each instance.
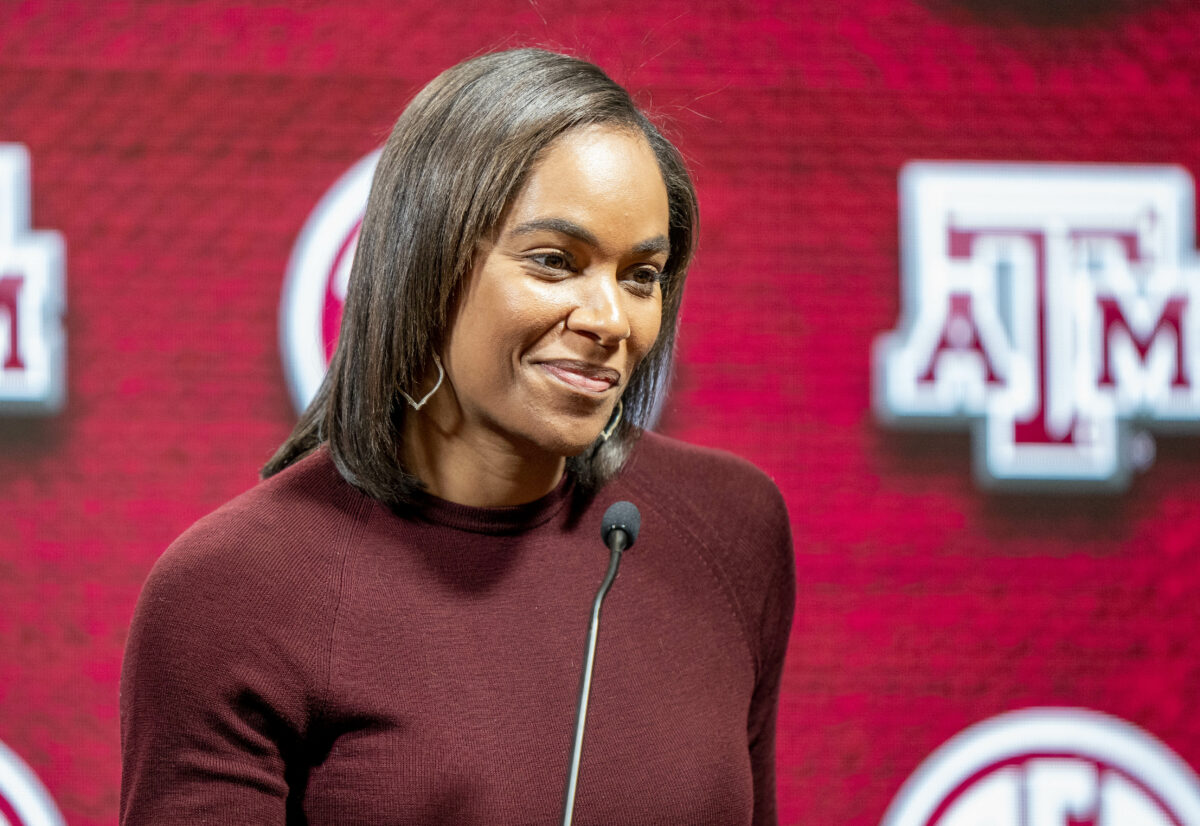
(589, 179)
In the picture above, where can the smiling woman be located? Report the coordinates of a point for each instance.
(389, 628)
(559, 310)
(483, 136)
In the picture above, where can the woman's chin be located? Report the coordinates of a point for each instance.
(565, 441)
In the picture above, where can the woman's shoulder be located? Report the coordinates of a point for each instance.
(288, 527)
(720, 499)
(710, 477)
(724, 510)
(243, 605)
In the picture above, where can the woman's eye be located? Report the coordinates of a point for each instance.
(552, 261)
(645, 278)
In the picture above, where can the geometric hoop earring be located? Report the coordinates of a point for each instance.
(415, 405)
(613, 421)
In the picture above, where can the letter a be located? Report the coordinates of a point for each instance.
(960, 335)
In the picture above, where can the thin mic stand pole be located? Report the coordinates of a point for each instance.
(620, 540)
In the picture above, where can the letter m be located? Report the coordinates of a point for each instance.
(1170, 320)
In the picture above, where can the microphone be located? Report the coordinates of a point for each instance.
(620, 525)
(619, 530)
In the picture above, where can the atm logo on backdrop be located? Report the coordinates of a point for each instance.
(1055, 309)
(314, 290)
(32, 361)
(1050, 767)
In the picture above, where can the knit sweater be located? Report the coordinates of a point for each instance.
(305, 655)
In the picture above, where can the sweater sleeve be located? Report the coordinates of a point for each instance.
(221, 664)
(778, 605)
(742, 508)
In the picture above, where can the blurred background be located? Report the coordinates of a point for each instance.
(179, 148)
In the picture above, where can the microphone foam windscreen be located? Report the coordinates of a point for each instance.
(623, 515)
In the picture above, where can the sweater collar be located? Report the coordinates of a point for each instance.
(503, 520)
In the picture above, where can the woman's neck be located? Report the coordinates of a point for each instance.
(470, 465)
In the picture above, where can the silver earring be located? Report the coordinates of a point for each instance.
(415, 405)
(613, 422)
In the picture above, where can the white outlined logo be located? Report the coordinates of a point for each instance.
(24, 801)
(1050, 767)
(1055, 309)
(32, 298)
(317, 274)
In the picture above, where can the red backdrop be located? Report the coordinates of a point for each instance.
(179, 147)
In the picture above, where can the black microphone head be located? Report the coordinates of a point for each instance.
(621, 516)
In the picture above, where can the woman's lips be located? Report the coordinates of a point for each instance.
(590, 378)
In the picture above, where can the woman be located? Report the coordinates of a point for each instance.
(390, 627)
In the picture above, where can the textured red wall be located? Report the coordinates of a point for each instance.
(179, 147)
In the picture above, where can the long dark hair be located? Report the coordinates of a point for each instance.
(455, 158)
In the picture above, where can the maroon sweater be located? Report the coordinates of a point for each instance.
(303, 655)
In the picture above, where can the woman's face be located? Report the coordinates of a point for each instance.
(565, 301)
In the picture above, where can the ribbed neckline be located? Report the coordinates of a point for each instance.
(502, 520)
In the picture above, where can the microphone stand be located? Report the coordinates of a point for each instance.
(620, 540)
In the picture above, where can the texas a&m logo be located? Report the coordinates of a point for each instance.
(31, 298)
(1055, 308)
(314, 291)
(1050, 767)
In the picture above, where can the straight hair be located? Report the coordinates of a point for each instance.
(458, 154)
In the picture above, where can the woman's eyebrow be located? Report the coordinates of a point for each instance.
(560, 225)
(658, 243)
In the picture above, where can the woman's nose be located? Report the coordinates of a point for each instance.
(599, 310)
